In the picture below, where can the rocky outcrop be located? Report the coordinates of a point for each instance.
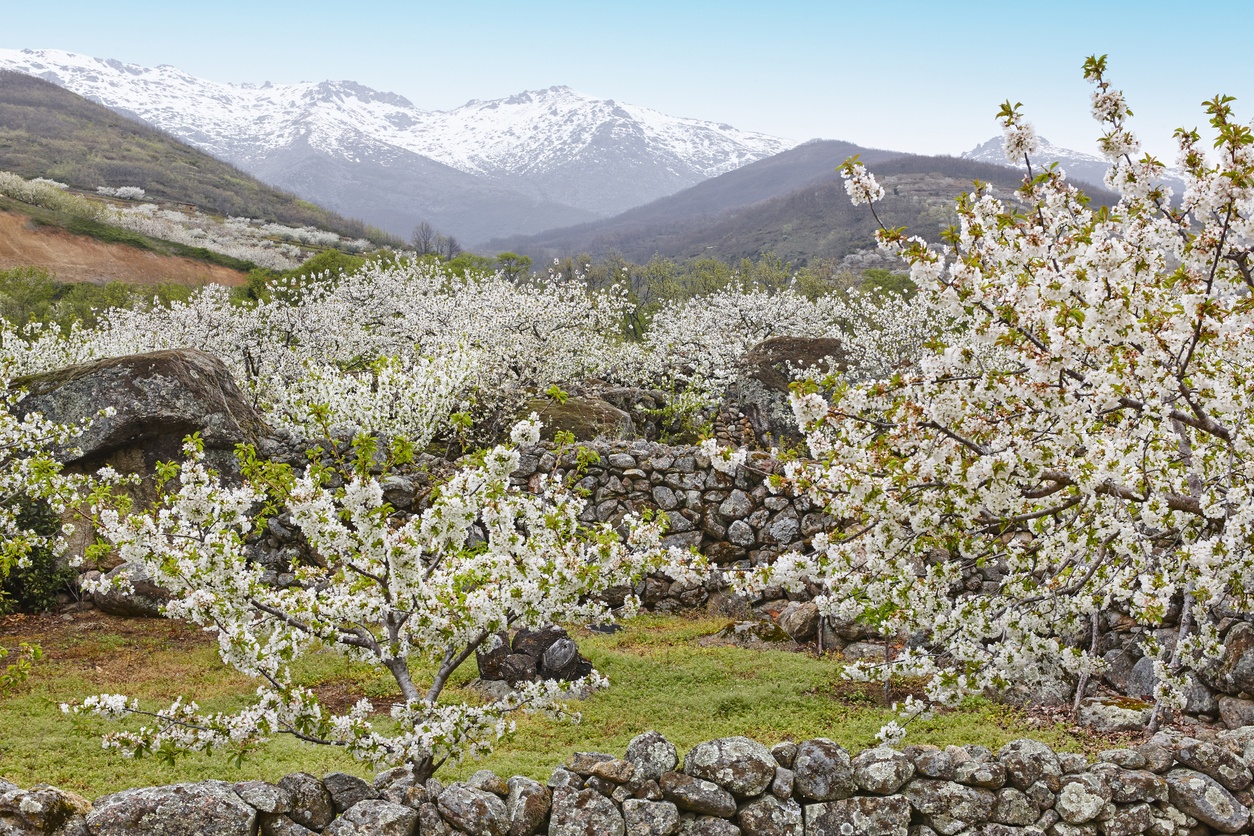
(1169, 786)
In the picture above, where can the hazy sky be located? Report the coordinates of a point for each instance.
(916, 76)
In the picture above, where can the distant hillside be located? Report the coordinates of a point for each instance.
(813, 222)
(47, 131)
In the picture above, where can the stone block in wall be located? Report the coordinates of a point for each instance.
(207, 808)
(771, 816)
(823, 771)
(1206, 800)
(584, 813)
(473, 811)
(376, 817)
(739, 765)
(861, 815)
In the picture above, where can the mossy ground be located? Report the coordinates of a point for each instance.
(665, 674)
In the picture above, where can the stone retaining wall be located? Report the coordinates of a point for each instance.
(1169, 786)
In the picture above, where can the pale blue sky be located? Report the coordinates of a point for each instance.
(917, 76)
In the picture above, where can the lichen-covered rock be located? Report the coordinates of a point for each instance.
(1014, 807)
(822, 771)
(277, 824)
(1215, 761)
(40, 810)
(708, 826)
(617, 771)
(1235, 672)
(782, 786)
(988, 774)
(374, 817)
(346, 790)
(1029, 761)
(771, 816)
(784, 751)
(474, 811)
(488, 781)
(430, 822)
(697, 795)
(1129, 820)
(1114, 715)
(1128, 786)
(581, 763)
(652, 754)
(1081, 798)
(266, 797)
(948, 806)
(861, 815)
(588, 418)
(311, 803)
(1204, 798)
(800, 620)
(740, 765)
(1235, 712)
(527, 805)
(650, 818)
(584, 813)
(881, 771)
(207, 808)
(490, 654)
(930, 761)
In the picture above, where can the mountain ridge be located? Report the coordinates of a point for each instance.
(560, 153)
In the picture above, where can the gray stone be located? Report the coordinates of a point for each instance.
(430, 822)
(782, 786)
(650, 818)
(738, 764)
(736, 506)
(697, 795)
(277, 824)
(665, 498)
(41, 810)
(1128, 786)
(474, 811)
(988, 774)
(560, 661)
(1081, 798)
(708, 826)
(1235, 671)
(346, 790)
(375, 817)
(264, 796)
(584, 813)
(617, 770)
(740, 533)
(1215, 761)
(488, 781)
(1014, 807)
(1204, 798)
(564, 778)
(130, 592)
(866, 817)
(783, 529)
(947, 806)
(652, 754)
(1129, 820)
(822, 771)
(1126, 758)
(1235, 712)
(881, 771)
(311, 803)
(527, 805)
(931, 762)
(771, 816)
(1029, 761)
(800, 620)
(207, 808)
(785, 752)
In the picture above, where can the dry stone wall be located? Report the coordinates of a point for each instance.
(733, 786)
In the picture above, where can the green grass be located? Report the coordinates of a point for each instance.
(661, 678)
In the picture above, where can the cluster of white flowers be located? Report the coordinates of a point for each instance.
(121, 192)
(196, 229)
(1082, 428)
(486, 556)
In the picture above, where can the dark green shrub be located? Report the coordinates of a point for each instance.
(34, 588)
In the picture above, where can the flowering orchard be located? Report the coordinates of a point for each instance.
(388, 591)
(1084, 428)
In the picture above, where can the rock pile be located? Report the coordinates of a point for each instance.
(732, 786)
(547, 653)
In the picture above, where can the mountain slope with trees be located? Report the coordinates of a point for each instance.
(47, 131)
(792, 205)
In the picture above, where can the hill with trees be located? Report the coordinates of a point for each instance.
(792, 205)
(47, 131)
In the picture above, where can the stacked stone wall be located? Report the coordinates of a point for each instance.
(734, 786)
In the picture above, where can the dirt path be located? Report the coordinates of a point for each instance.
(78, 258)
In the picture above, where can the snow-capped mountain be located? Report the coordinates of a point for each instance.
(522, 164)
(1088, 168)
